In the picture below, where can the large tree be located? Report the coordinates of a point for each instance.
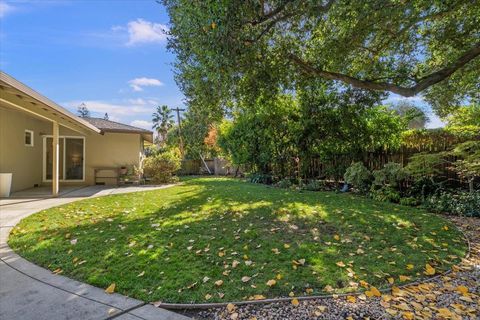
(239, 48)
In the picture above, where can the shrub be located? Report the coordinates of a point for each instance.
(162, 167)
(388, 194)
(260, 178)
(284, 184)
(459, 203)
(409, 201)
(316, 185)
(392, 174)
(359, 176)
(422, 188)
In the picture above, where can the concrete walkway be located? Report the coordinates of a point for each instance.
(28, 291)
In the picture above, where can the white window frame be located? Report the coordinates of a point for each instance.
(31, 138)
(44, 171)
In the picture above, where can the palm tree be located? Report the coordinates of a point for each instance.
(162, 122)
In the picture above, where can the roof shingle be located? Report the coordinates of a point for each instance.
(112, 126)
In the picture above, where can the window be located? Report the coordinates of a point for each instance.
(29, 138)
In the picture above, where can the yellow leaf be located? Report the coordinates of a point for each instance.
(340, 264)
(375, 291)
(271, 283)
(111, 288)
(258, 297)
(462, 289)
(245, 279)
(218, 283)
(309, 290)
(409, 266)
(279, 276)
(429, 270)
(351, 299)
(208, 296)
(408, 315)
(221, 253)
(364, 283)
(141, 274)
(214, 25)
(445, 228)
(295, 302)
(230, 307)
(403, 278)
(322, 308)
(391, 280)
(336, 237)
(286, 246)
(291, 294)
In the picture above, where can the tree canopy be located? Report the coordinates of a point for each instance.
(241, 48)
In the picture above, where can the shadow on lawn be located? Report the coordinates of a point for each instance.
(206, 224)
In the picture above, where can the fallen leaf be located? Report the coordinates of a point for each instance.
(336, 237)
(235, 263)
(295, 302)
(245, 279)
(111, 288)
(208, 296)
(409, 266)
(271, 283)
(218, 283)
(403, 278)
(462, 289)
(230, 307)
(234, 316)
(391, 280)
(205, 279)
(141, 274)
(429, 270)
(340, 264)
(351, 299)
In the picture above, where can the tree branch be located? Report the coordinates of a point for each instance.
(421, 84)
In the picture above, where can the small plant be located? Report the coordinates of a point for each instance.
(284, 184)
(260, 178)
(392, 174)
(409, 201)
(359, 176)
(315, 185)
(161, 168)
(460, 203)
(387, 194)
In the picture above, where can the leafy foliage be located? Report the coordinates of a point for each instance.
(455, 203)
(392, 174)
(359, 176)
(162, 120)
(162, 166)
(244, 48)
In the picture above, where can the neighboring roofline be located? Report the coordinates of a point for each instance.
(134, 129)
(37, 96)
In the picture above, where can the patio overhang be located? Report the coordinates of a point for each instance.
(16, 95)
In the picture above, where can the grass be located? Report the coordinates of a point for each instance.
(160, 245)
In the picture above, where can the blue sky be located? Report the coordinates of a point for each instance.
(110, 55)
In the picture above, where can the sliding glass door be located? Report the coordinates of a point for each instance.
(72, 158)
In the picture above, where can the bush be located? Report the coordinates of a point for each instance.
(162, 167)
(315, 185)
(460, 203)
(409, 201)
(260, 178)
(392, 174)
(423, 188)
(388, 194)
(284, 184)
(359, 176)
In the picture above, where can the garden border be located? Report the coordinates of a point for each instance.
(202, 306)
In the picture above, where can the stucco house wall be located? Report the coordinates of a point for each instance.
(26, 163)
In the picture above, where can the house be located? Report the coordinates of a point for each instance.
(42, 143)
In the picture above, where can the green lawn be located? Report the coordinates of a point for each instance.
(174, 244)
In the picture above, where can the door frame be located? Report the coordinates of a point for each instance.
(44, 158)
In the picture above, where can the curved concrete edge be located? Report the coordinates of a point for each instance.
(114, 306)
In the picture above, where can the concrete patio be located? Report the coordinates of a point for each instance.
(28, 291)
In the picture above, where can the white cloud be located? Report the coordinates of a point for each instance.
(137, 84)
(5, 8)
(142, 124)
(141, 31)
